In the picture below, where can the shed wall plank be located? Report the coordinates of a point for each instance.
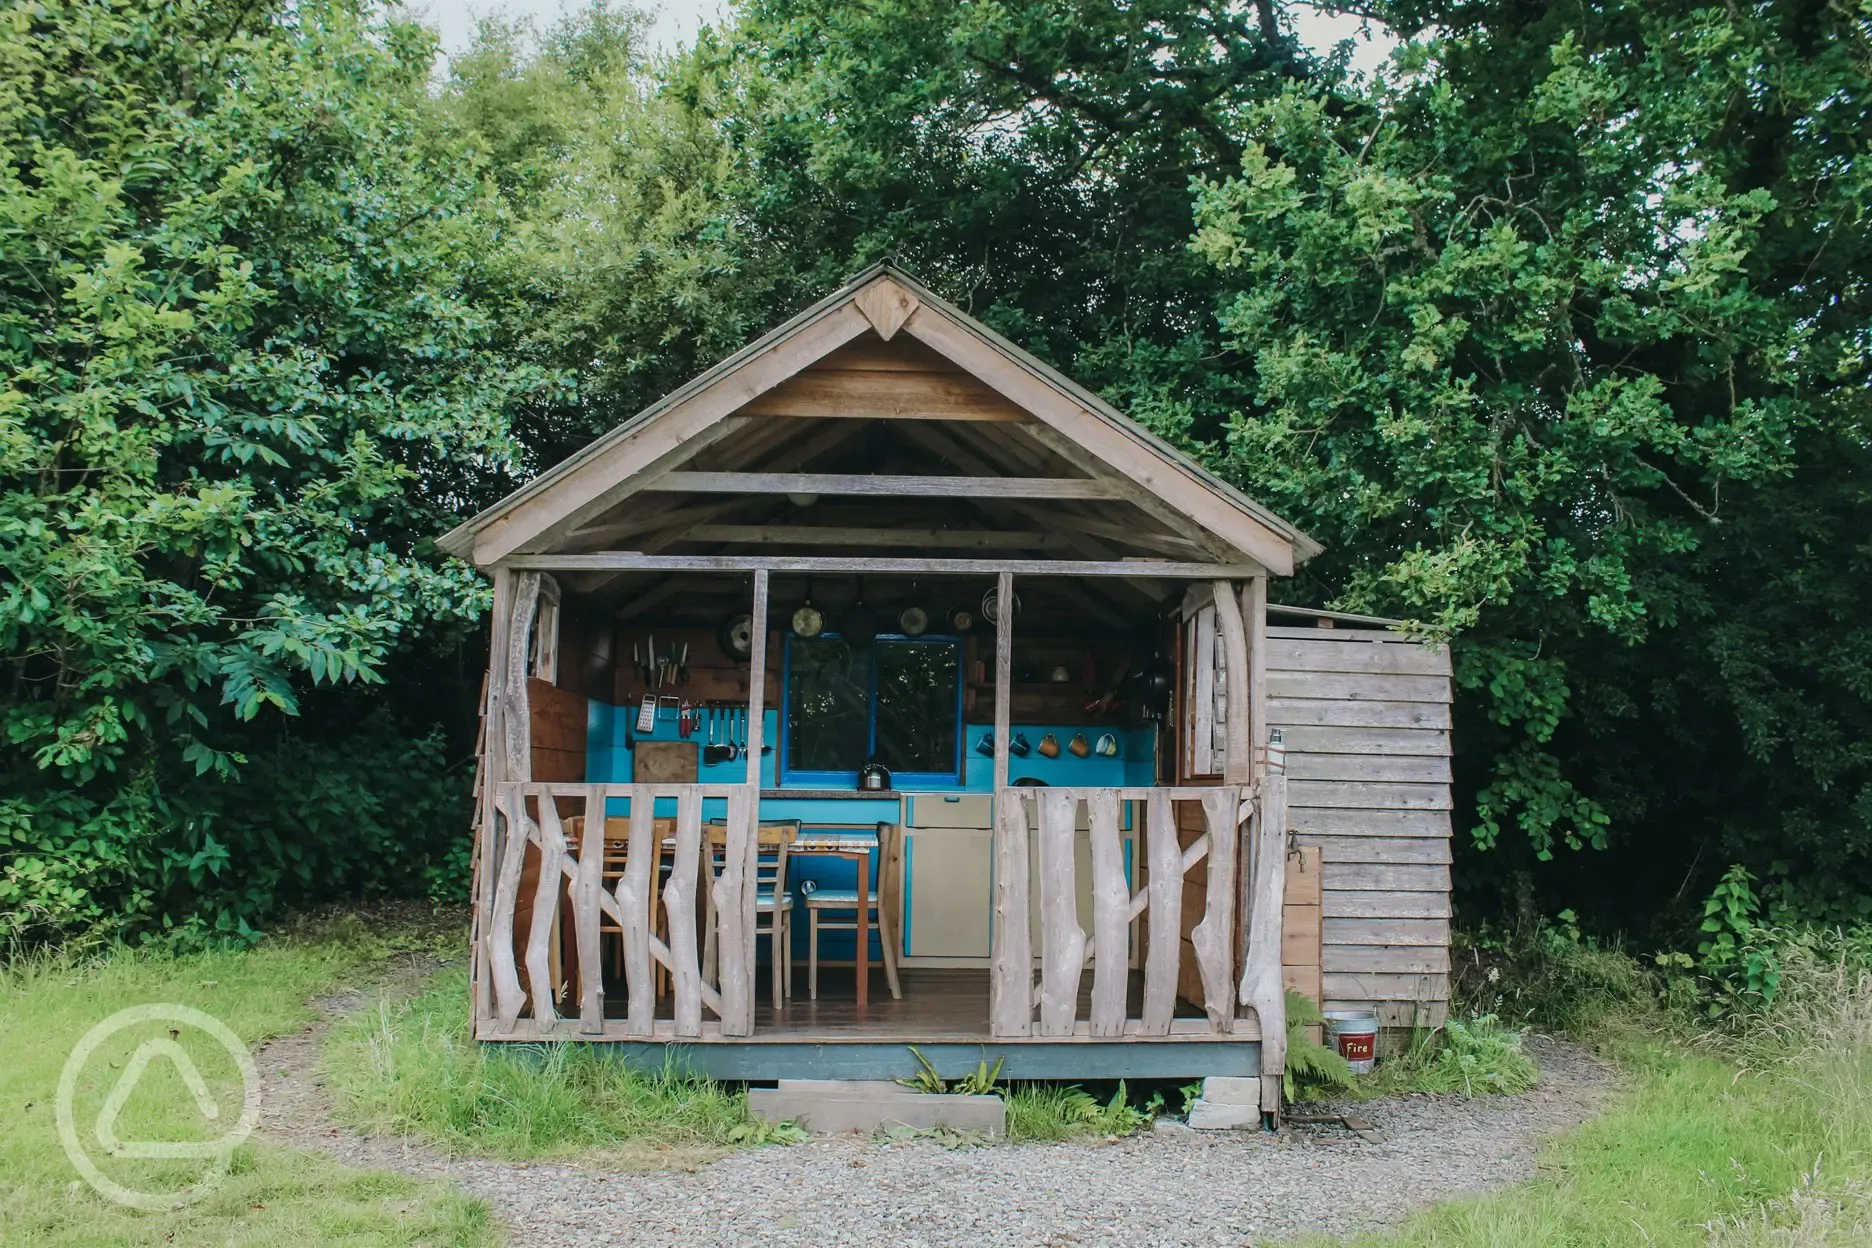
(1352, 655)
(1347, 740)
(1299, 710)
(1357, 686)
(1382, 849)
(1379, 768)
(1364, 959)
(1361, 795)
(1346, 904)
(1386, 877)
(1318, 821)
(1385, 931)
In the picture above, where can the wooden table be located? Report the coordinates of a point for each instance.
(859, 849)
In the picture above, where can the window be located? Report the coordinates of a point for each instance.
(897, 700)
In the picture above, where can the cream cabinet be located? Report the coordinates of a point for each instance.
(948, 879)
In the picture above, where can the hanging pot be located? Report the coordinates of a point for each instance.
(808, 620)
(989, 605)
(736, 637)
(913, 621)
(960, 619)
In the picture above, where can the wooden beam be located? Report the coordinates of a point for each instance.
(869, 394)
(613, 467)
(1238, 749)
(1254, 619)
(1004, 675)
(1121, 450)
(632, 561)
(827, 535)
(881, 486)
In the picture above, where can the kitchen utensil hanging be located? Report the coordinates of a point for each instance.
(989, 606)
(735, 635)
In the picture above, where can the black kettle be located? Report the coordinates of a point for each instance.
(874, 777)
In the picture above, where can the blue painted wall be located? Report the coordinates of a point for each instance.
(608, 761)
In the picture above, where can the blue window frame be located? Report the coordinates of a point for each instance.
(898, 701)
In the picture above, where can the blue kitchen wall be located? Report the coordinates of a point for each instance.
(608, 761)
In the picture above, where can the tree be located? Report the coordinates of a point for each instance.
(248, 332)
(1558, 342)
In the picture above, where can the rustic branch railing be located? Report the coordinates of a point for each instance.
(1049, 818)
(531, 816)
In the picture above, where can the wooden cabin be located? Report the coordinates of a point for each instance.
(884, 605)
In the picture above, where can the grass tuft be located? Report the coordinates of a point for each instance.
(410, 1067)
(1051, 1112)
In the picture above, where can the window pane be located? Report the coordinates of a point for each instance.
(827, 725)
(916, 705)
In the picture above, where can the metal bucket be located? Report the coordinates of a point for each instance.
(1353, 1035)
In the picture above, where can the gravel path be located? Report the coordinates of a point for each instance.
(1172, 1186)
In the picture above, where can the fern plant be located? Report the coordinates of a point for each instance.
(1309, 1063)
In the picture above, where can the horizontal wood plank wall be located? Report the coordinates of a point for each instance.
(558, 737)
(1366, 717)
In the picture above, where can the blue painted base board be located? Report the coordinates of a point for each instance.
(769, 1060)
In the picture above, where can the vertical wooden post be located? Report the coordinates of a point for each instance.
(518, 711)
(1111, 915)
(493, 772)
(1254, 617)
(679, 903)
(1214, 938)
(586, 885)
(1261, 985)
(546, 894)
(735, 919)
(1165, 943)
(1238, 752)
(1062, 941)
(1004, 676)
(637, 903)
(1010, 985)
(757, 686)
(509, 996)
(546, 653)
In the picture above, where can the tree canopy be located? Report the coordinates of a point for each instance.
(1554, 330)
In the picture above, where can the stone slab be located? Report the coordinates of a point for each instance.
(837, 1112)
(1205, 1115)
(1232, 1090)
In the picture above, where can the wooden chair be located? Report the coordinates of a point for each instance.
(616, 856)
(865, 920)
(772, 899)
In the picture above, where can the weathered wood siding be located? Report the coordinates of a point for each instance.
(1366, 716)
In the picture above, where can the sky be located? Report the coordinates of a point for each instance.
(678, 20)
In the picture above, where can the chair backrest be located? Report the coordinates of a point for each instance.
(773, 841)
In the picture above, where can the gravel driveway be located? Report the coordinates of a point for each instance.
(1172, 1186)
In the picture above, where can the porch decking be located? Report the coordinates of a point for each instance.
(944, 1014)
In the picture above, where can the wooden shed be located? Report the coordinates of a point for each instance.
(883, 657)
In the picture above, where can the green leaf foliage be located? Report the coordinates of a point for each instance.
(248, 363)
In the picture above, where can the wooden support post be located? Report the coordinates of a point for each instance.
(1111, 915)
(509, 996)
(545, 909)
(493, 772)
(1261, 985)
(1004, 675)
(1214, 938)
(636, 902)
(1165, 890)
(586, 886)
(518, 715)
(1010, 985)
(1254, 620)
(1238, 752)
(1062, 942)
(734, 916)
(757, 685)
(679, 902)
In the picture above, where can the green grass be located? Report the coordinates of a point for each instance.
(410, 1067)
(1760, 1135)
(1049, 1112)
(272, 1195)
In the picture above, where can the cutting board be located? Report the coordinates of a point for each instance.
(664, 762)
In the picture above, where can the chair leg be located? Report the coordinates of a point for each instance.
(773, 946)
(786, 954)
(887, 946)
(812, 955)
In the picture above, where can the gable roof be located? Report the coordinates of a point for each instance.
(1067, 417)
